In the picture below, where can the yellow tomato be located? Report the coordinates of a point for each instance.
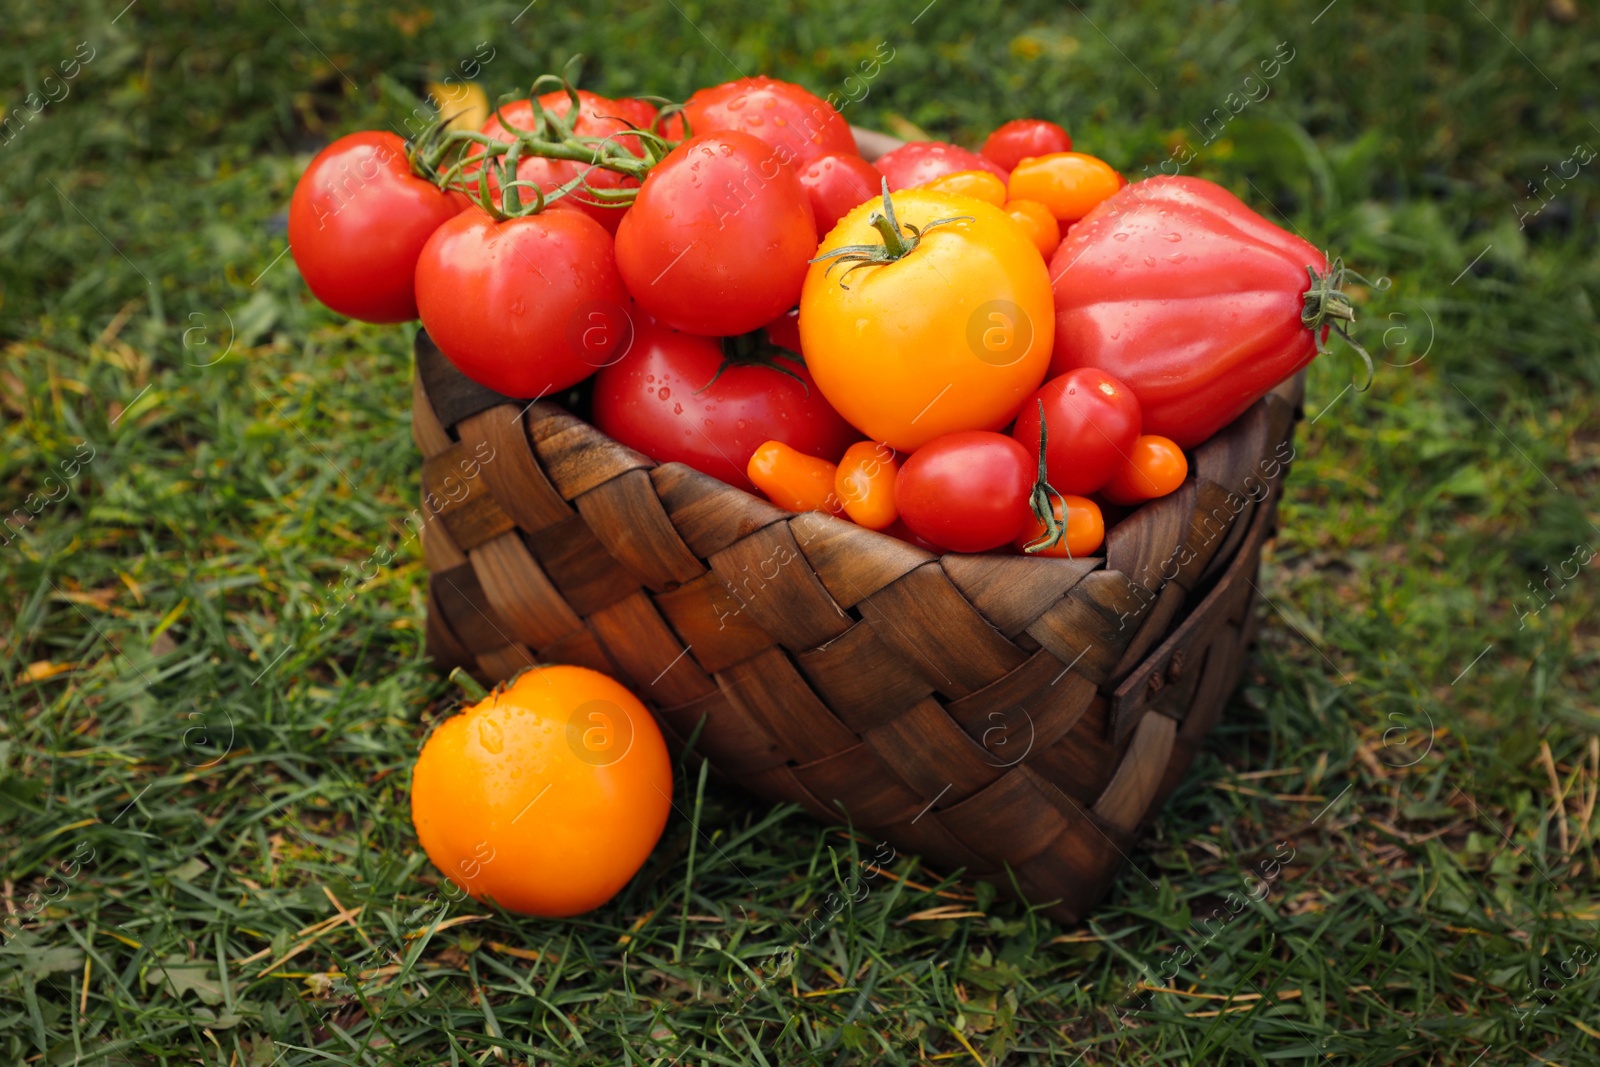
(913, 336)
(1070, 184)
(864, 482)
(546, 796)
(1041, 225)
(978, 184)
(793, 480)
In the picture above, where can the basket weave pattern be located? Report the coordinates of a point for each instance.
(1014, 716)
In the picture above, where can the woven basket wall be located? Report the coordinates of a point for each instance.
(983, 711)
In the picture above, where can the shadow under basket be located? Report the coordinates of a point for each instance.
(1012, 716)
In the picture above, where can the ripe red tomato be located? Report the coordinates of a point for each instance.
(967, 491)
(1018, 139)
(1194, 301)
(526, 306)
(598, 116)
(357, 222)
(919, 162)
(657, 399)
(720, 238)
(799, 124)
(1093, 420)
(836, 183)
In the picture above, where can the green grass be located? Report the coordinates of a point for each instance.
(205, 771)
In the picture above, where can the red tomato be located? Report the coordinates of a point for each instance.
(656, 399)
(720, 238)
(837, 183)
(526, 306)
(357, 222)
(968, 491)
(1018, 139)
(1093, 420)
(919, 162)
(597, 117)
(1187, 296)
(799, 124)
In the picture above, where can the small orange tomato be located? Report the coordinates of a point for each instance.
(1070, 184)
(546, 796)
(1042, 226)
(978, 184)
(865, 484)
(1086, 529)
(793, 480)
(1155, 467)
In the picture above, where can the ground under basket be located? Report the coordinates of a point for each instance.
(1012, 716)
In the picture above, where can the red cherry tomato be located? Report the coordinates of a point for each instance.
(968, 491)
(526, 306)
(598, 116)
(800, 124)
(357, 222)
(1018, 139)
(720, 238)
(836, 183)
(1155, 467)
(919, 162)
(661, 400)
(1093, 421)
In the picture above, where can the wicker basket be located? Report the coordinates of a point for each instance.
(1013, 716)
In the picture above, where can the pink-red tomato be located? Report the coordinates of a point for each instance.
(836, 183)
(799, 124)
(919, 162)
(720, 238)
(1018, 139)
(1192, 299)
(526, 306)
(661, 400)
(967, 491)
(357, 222)
(1093, 420)
(598, 116)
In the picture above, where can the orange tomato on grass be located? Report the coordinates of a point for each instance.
(547, 795)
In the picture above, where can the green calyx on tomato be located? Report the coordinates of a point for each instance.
(1044, 500)
(756, 349)
(1326, 300)
(896, 243)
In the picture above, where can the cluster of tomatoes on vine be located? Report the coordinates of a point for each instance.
(903, 342)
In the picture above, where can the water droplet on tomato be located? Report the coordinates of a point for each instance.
(490, 737)
(1119, 237)
(664, 393)
(736, 103)
(1149, 261)
(1173, 236)
(677, 409)
(1176, 257)
(753, 120)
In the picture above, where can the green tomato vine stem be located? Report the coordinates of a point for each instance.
(1327, 304)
